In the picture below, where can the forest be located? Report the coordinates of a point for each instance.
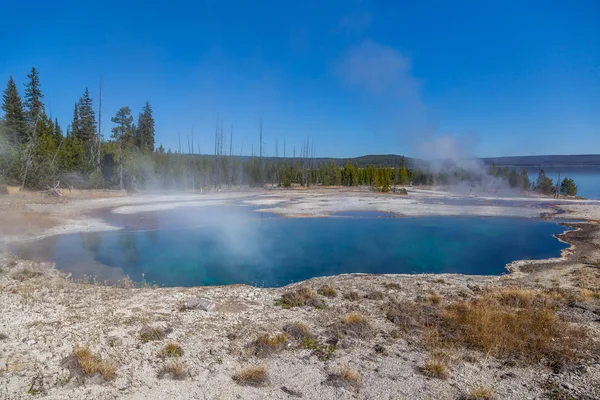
(36, 153)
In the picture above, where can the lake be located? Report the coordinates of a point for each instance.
(227, 245)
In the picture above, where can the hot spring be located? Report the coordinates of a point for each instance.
(198, 246)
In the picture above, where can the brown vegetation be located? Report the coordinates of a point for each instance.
(255, 375)
(355, 324)
(174, 370)
(327, 291)
(148, 333)
(265, 345)
(435, 368)
(352, 295)
(25, 275)
(375, 295)
(300, 297)
(83, 362)
(346, 377)
(480, 393)
(298, 331)
(171, 350)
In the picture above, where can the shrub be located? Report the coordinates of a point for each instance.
(352, 296)
(97, 179)
(375, 295)
(355, 324)
(25, 275)
(148, 333)
(171, 350)
(174, 370)
(252, 376)
(435, 368)
(327, 291)
(345, 377)
(480, 393)
(298, 298)
(266, 345)
(298, 331)
(83, 362)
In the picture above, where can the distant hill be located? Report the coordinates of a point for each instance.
(583, 160)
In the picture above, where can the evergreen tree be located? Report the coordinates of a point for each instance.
(144, 134)
(58, 136)
(33, 98)
(122, 134)
(524, 180)
(75, 125)
(87, 120)
(568, 187)
(513, 178)
(544, 184)
(13, 108)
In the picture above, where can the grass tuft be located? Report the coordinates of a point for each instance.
(83, 362)
(355, 324)
(327, 291)
(375, 295)
(298, 331)
(435, 368)
(255, 375)
(265, 345)
(171, 350)
(299, 298)
(480, 393)
(148, 333)
(25, 275)
(174, 370)
(352, 295)
(346, 377)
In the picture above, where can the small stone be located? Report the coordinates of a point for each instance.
(567, 385)
(201, 303)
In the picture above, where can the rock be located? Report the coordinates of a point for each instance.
(567, 385)
(201, 303)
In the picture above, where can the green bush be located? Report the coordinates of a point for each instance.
(97, 179)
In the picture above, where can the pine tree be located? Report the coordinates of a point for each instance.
(58, 136)
(74, 132)
(122, 134)
(33, 98)
(144, 134)
(568, 187)
(87, 120)
(525, 182)
(13, 109)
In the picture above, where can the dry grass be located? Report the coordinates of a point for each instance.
(375, 295)
(327, 291)
(298, 298)
(435, 368)
(255, 375)
(298, 331)
(480, 393)
(174, 370)
(171, 350)
(529, 333)
(25, 275)
(355, 324)
(352, 295)
(514, 324)
(265, 345)
(434, 299)
(148, 333)
(83, 362)
(587, 294)
(346, 377)
(587, 278)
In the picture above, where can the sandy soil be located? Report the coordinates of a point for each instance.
(44, 315)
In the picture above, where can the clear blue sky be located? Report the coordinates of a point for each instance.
(487, 78)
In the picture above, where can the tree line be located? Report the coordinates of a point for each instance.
(36, 153)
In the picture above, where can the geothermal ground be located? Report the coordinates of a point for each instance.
(531, 334)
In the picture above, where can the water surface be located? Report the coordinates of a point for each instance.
(215, 246)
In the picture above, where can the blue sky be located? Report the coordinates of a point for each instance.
(487, 78)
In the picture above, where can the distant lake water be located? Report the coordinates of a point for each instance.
(587, 179)
(230, 245)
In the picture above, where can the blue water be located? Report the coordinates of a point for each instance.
(234, 246)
